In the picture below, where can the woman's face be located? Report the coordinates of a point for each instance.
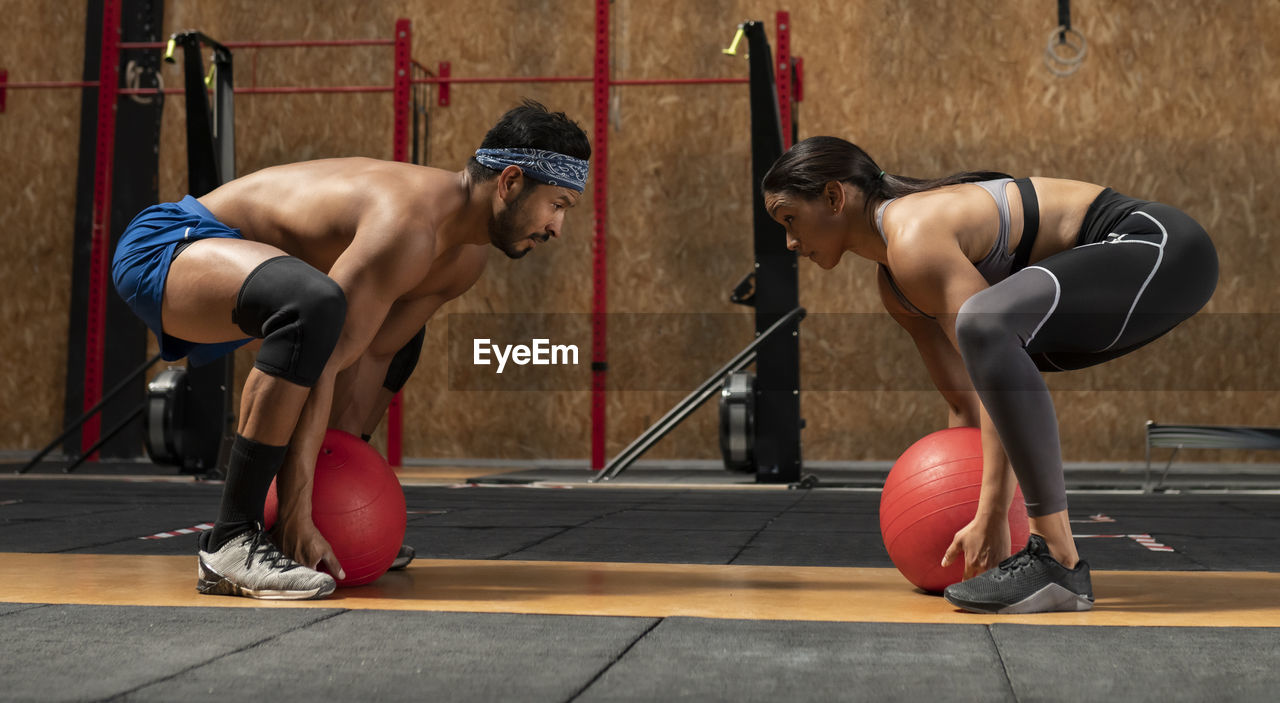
(814, 227)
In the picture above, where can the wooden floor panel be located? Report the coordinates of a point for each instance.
(653, 590)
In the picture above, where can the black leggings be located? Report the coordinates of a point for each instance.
(1137, 271)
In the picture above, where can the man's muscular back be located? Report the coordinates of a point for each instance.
(320, 210)
(314, 210)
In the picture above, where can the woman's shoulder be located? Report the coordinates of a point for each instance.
(938, 210)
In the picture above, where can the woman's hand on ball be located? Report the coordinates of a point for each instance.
(983, 543)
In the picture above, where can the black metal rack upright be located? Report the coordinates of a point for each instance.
(208, 413)
(772, 288)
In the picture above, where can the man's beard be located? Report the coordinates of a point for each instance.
(503, 232)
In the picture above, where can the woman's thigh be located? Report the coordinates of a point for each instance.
(1156, 269)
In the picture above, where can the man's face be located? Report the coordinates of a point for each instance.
(533, 216)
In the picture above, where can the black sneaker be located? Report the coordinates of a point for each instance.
(403, 557)
(251, 565)
(1031, 581)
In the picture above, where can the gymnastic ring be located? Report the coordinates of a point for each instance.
(1065, 71)
(1061, 36)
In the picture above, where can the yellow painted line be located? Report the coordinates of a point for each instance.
(1167, 598)
(433, 475)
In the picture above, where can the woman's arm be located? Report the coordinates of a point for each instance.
(939, 279)
(941, 359)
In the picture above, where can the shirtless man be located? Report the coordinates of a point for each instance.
(335, 265)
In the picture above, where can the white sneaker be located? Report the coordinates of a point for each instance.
(251, 565)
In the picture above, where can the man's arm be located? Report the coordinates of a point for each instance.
(355, 395)
(381, 374)
(470, 265)
(374, 271)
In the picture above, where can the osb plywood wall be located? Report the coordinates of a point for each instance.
(1175, 102)
(1171, 104)
(39, 135)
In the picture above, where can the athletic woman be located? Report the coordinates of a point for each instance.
(997, 280)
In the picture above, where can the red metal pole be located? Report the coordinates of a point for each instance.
(275, 90)
(401, 89)
(400, 151)
(443, 69)
(4, 79)
(270, 44)
(784, 77)
(678, 81)
(600, 191)
(100, 236)
(444, 79)
(262, 90)
(39, 85)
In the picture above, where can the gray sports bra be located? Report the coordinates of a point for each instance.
(996, 266)
(998, 263)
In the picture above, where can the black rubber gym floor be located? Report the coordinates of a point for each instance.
(107, 652)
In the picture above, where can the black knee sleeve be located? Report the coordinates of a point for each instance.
(404, 362)
(297, 311)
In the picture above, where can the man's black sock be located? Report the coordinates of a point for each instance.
(251, 468)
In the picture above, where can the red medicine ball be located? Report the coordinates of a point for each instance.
(357, 504)
(931, 493)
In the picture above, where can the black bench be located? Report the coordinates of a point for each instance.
(1204, 437)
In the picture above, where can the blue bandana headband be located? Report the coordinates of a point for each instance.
(546, 166)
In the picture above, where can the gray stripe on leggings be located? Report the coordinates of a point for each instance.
(1057, 295)
(1159, 259)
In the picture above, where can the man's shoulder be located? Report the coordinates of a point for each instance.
(471, 262)
(415, 193)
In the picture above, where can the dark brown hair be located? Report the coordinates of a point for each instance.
(532, 126)
(811, 164)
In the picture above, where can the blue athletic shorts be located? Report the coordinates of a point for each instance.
(141, 265)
